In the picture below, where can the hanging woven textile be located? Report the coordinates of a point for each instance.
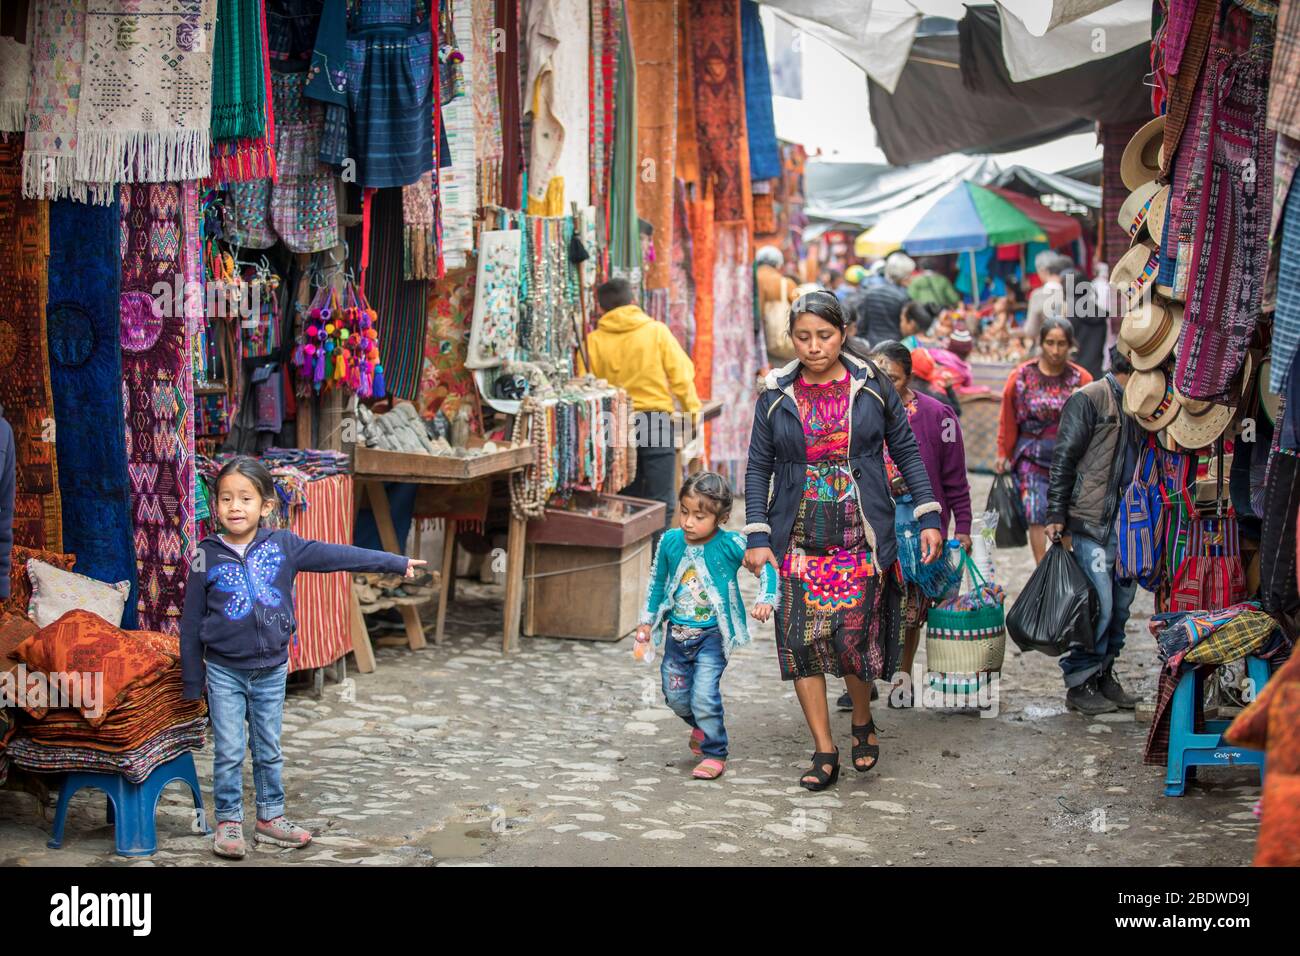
(720, 107)
(146, 92)
(488, 142)
(160, 239)
(445, 382)
(624, 232)
(15, 63)
(85, 376)
(735, 360)
(25, 394)
(457, 184)
(760, 127)
(50, 158)
(702, 259)
(681, 290)
(653, 26)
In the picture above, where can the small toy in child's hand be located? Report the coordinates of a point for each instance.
(412, 564)
(761, 612)
(643, 649)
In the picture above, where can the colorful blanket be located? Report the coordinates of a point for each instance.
(720, 106)
(445, 383)
(85, 374)
(24, 361)
(146, 93)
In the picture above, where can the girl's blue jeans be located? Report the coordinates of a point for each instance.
(238, 702)
(692, 678)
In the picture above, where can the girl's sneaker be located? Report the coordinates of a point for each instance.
(229, 840)
(282, 833)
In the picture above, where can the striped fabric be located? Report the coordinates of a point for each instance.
(320, 601)
(1114, 137)
(1141, 525)
(402, 304)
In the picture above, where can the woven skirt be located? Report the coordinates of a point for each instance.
(830, 618)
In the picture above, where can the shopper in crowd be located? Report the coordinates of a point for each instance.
(1048, 300)
(8, 469)
(878, 312)
(1091, 324)
(1032, 401)
(816, 494)
(694, 597)
(775, 292)
(939, 440)
(638, 354)
(235, 631)
(1096, 453)
(931, 287)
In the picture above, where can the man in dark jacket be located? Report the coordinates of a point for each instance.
(880, 309)
(1096, 452)
(7, 469)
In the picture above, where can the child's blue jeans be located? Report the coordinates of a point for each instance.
(255, 697)
(692, 675)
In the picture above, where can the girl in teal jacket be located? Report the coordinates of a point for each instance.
(695, 598)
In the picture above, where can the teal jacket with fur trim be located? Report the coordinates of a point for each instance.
(724, 556)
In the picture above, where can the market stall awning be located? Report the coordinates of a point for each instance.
(1025, 180)
(962, 218)
(1057, 226)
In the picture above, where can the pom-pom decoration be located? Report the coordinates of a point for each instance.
(338, 343)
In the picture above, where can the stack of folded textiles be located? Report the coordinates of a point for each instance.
(314, 462)
(136, 722)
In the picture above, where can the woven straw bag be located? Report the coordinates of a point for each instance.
(964, 644)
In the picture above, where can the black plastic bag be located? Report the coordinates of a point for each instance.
(1012, 528)
(1057, 608)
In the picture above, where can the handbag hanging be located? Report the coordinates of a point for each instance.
(1211, 576)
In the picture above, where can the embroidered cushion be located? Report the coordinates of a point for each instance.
(14, 629)
(80, 645)
(20, 588)
(55, 592)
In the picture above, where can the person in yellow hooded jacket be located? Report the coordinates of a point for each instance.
(638, 354)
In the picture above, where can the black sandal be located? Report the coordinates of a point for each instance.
(864, 750)
(823, 779)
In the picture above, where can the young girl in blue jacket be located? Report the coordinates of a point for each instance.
(237, 625)
(695, 598)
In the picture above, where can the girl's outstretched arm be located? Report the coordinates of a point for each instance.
(308, 555)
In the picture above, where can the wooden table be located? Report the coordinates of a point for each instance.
(371, 468)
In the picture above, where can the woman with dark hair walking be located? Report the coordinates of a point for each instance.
(816, 494)
(1032, 401)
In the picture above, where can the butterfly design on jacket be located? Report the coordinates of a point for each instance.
(257, 586)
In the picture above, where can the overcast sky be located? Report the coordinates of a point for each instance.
(832, 117)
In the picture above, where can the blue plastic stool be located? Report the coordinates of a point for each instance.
(131, 806)
(1189, 749)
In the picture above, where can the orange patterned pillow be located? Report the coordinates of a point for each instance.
(20, 587)
(79, 647)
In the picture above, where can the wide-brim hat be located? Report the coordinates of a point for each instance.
(1155, 221)
(1149, 333)
(1149, 398)
(1137, 205)
(1135, 273)
(1141, 160)
(1200, 422)
(1269, 401)
(1208, 489)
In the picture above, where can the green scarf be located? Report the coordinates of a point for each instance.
(238, 77)
(625, 234)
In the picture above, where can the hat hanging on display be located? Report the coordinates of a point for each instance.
(1133, 213)
(1208, 489)
(1149, 398)
(1202, 422)
(1134, 273)
(1141, 160)
(1155, 223)
(1269, 401)
(1149, 333)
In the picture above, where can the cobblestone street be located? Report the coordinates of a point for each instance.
(564, 753)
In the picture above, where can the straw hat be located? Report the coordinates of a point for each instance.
(1149, 398)
(1141, 160)
(1202, 422)
(1133, 213)
(1207, 488)
(1149, 333)
(1155, 224)
(1269, 401)
(1135, 272)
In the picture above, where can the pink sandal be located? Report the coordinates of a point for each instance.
(697, 738)
(709, 769)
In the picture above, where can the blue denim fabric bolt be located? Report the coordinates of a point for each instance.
(692, 678)
(1114, 598)
(258, 697)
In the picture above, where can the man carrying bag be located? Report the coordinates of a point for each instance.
(1096, 454)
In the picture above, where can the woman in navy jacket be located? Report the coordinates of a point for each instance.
(816, 494)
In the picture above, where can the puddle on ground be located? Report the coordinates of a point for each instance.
(456, 841)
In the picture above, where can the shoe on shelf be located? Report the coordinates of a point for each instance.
(1088, 700)
(1110, 688)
